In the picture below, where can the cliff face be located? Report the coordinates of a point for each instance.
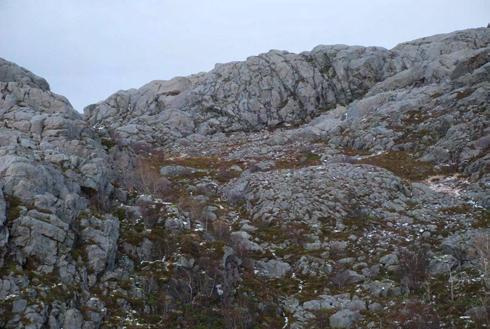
(308, 190)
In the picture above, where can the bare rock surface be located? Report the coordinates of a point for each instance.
(342, 187)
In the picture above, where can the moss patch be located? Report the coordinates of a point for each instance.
(13, 207)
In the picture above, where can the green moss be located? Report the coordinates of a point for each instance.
(13, 207)
(120, 213)
(133, 234)
(79, 254)
(108, 143)
(131, 237)
(10, 267)
(58, 293)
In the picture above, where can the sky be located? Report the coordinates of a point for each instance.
(89, 49)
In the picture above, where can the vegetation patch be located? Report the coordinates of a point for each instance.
(404, 165)
(299, 160)
(13, 207)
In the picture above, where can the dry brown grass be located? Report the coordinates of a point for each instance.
(404, 165)
(414, 266)
(415, 315)
(482, 253)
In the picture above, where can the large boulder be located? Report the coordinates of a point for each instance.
(10, 72)
(317, 193)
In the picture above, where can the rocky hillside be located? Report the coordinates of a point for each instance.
(345, 187)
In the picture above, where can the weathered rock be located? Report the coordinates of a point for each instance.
(280, 88)
(344, 319)
(273, 268)
(442, 264)
(318, 166)
(388, 260)
(4, 233)
(43, 237)
(73, 319)
(478, 314)
(9, 72)
(462, 246)
(382, 288)
(100, 236)
(52, 168)
(313, 193)
(308, 265)
(242, 240)
(175, 170)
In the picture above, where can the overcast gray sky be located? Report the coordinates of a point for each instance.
(89, 49)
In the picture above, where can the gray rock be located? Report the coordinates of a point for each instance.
(344, 319)
(383, 288)
(319, 80)
(389, 260)
(479, 314)
(462, 245)
(248, 228)
(10, 72)
(42, 236)
(176, 170)
(242, 240)
(273, 268)
(177, 223)
(19, 305)
(442, 264)
(426, 99)
(345, 261)
(95, 313)
(375, 307)
(327, 302)
(73, 319)
(100, 236)
(313, 266)
(4, 233)
(315, 192)
(348, 277)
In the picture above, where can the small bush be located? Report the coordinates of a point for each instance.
(97, 201)
(221, 230)
(237, 317)
(193, 207)
(413, 267)
(320, 320)
(480, 315)
(13, 207)
(146, 177)
(416, 315)
(150, 211)
(482, 253)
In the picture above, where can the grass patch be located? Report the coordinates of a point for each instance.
(13, 207)
(299, 160)
(108, 143)
(404, 165)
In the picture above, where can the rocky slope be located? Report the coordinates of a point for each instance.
(338, 188)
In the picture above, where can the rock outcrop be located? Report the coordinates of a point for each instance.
(53, 169)
(285, 191)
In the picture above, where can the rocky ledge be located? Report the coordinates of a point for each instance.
(344, 187)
